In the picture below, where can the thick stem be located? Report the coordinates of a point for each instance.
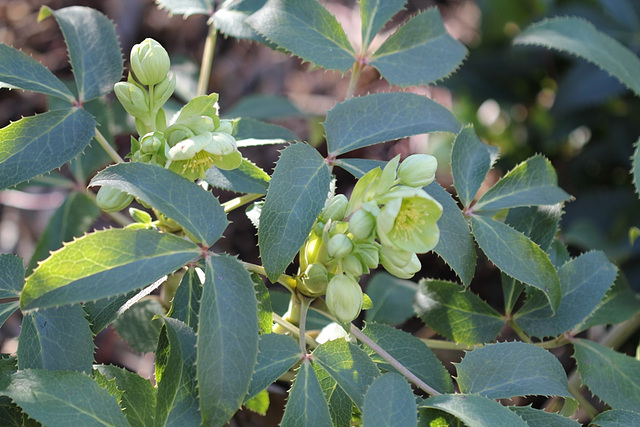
(518, 330)
(293, 330)
(356, 71)
(107, 147)
(207, 60)
(285, 280)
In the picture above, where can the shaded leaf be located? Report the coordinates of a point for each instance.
(474, 410)
(392, 299)
(186, 301)
(390, 402)
(262, 107)
(619, 304)
(102, 312)
(540, 418)
(358, 167)
(136, 326)
(616, 418)
(11, 276)
(539, 223)
(186, 7)
(251, 132)
(7, 309)
(374, 15)
(306, 405)
(635, 169)
(248, 178)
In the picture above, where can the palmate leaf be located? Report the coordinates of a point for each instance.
(35, 145)
(104, 264)
(374, 15)
(306, 405)
(390, 401)
(474, 410)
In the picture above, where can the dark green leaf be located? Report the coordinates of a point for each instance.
(296, 195)
(186, 302)
(94, 51)
(412, 353)
(11, 276)
(616, 418)
(613, 377)
(51, 138)
(113, 262)
(358, 167)
(517, 256)
(392, 299)
(251, 132)
(306, 406)
(509, 369)
(248, 178)
(340, 405)
(102, 312)
(457, 315)
(230, 18)
(579, 37)
(186, 7)
(72, 219)
(471, 160)
(227, 346)
(372, 119)
(262, 107)
(19, 70)
(6, 310)
(306, 29)
(620, 304)
(185, 202)
(374, 15)
(56, 338)
(64, 398)
(539, 418)
(420, 52)
(474, 410)
(635, 169)
(539, 223)
(390, 402)
(136, 326)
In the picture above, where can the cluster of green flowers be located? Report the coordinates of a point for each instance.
(192, 142)
(389, 219)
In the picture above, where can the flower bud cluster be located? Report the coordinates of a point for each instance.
(389, 219)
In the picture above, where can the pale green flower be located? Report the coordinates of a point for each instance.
(400, 263)
(110, 199)
(149, 62)
(418, 170)
(193, 156)
(344, 297)
(314, 280)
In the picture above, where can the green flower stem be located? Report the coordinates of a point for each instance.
(207, 59)
(285, 280)
(107, 147)
(356, 71)
(448, 345)
(239, 201)
(294, 330)
(518, 330)
(304, 309)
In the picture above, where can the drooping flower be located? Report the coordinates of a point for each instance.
(192, 156)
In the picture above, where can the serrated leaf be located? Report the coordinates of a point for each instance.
(51, 138)
(136, 326)
(186, 301)
(306, 29)
(412, 353)
(277, 354)
(248, 178)
(533, 182)
(456, 245)
(390, 402)
(540, 418)
(259, 403)
(457, 315)
(539, 223)
(509, 369)
(306, 405)
(185, 202)
(392, 299)
(94, 51)
(474, 410)
(11, 276)
(349, 365)
(230, 18)
(585, 280)
(102, 312)
(619, 304)
(227, 346)
(613, 377)
(428, 417)
(374, 15)
(579, 37)
(419, 53)
(251, 132)
(63, 398)
(72, 219)
(616, 418)
(517, 256)
(139, 397)
(265, 311)
(382, 117)
(262, 107)
(296, 195)
(340, 405)
(471, 161)
(358, 167)
(57, 338)
(177, 396)
(635, 169)
(186, 7)
(19, 70)
(104, 264)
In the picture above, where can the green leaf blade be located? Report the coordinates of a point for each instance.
(635, 168)
(474, 410)
(186, 7)
(390, 401)
(616, 418)
(248, 178)
(296, 195)
(374, 15)
(540, 418)
(11, 276)
(35, 145)
(372, 119)
(185, 305)
(112, 262)
(306, 406)
(392, 299)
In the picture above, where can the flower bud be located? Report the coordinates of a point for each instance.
(140, 216)
(152, 142)
(163, 91)
(134, 100)
(352, 265)
(368, 254)
(418, 170)
(335, 208)
(314, 281)
(149, 62)
(339, 246)
(400, 263)
(362, 223)
(388, 176)
(111, 199)
(344, 297)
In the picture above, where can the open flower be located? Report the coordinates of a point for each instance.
(192, 156)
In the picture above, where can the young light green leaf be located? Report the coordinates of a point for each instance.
(474, 410)
(227, 346)
(277, 354)
(296, 195)
(104, 264)
(508, 369)
(372, 119)
(613, 377)
(262, 107)
(94, 51)
(259, 403)
(579, 37)
(340, 405)
(306, 29)
(456, 245)
(138, 327)
(72, 219)
(540, 418)
(349, 365)
(459, 316)
(186, 7)
(177, 397)
(390, 402)
(374, 15)
(420, 52)
(392, 299)
(471, 160)
(139, 397)
(248, 178)
(230, 19)
(54, 138)
(186, 302)
(635, 169)
(265, 310)
(57, 338)
(63, 398)
(412, 353)
(517, 256)
(306, 406)
(617, 418)
(19, 70)
(585, 280)
(11, 276)
(533, 182)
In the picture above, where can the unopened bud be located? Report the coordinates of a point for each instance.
(344, 297)
(226, 126)
(351, 264)
(400, 263)
(150, 62)
(163, 91)
(152, 142)
(134, 100)
(418, 170)
(362, 223)
(314, 281)
(340, 246)
(335, 208)
(111, 199)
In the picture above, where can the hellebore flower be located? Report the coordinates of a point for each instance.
(344, 297)
(400, 263)
(418, 170)
(110, 199)
(192, 156)
(149, 62)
